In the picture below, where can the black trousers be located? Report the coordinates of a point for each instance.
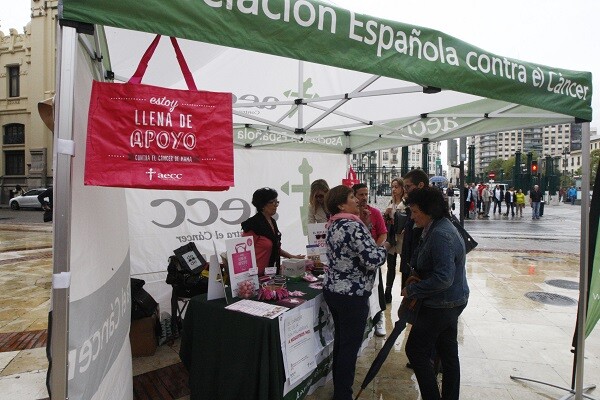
(391, 270)
(350, 319)
(435, 329)
(497, 203)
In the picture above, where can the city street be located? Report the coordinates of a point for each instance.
(504, 330)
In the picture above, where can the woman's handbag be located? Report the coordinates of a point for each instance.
(142, 136)
(470, 243)
(400, 219)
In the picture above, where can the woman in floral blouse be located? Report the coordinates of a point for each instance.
(353, 259)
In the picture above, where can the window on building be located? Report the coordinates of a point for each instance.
(14, 162)
(13, 81)
(386, 156)
(14, 134)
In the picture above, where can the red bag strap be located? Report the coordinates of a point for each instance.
(141, 69)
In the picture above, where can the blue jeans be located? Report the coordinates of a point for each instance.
(535, 211)
(350, 319)
(435, 328)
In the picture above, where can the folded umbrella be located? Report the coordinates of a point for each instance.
(406, 313)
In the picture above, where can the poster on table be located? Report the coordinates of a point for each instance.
(241, 260)
(322, 338)
(299, 343)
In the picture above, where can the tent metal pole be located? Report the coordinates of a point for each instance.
(584, 257)
(59, 346)
(579, 392)
(300, 94)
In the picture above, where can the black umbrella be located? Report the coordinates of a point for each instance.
(407, 312)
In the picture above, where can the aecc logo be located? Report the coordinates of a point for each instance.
(168, 177)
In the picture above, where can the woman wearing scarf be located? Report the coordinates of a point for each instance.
(263, 228)
(353, 260)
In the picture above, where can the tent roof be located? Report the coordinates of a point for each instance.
(352, 95)
(319, 32)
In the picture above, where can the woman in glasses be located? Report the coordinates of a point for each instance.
(316, 202)
(354, 258)
(263, 228)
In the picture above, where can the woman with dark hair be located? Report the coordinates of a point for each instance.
(353, 261)
(439, 262)
(316, 202)
(263, 227)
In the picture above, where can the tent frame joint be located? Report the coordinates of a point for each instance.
(80, 27)
(431, 89)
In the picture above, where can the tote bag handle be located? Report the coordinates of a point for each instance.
(141, 69)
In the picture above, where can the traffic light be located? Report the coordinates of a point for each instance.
(534, 167)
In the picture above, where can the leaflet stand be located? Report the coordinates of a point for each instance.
(215, 275)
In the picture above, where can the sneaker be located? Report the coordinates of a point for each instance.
(380, 327)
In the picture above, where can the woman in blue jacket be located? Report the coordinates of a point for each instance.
(439, 262)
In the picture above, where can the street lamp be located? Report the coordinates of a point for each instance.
(565, 154)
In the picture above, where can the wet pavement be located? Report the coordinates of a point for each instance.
(502, 331)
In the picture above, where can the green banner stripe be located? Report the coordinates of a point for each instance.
(317, 32)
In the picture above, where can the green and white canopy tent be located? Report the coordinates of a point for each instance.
(306, 76)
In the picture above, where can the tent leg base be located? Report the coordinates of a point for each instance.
(566, 397)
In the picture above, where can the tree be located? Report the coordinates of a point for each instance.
(494, 165)
(509, 166)
(594, 159)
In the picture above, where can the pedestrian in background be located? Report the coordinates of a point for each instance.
(486, 196)
(572, 194)
(535, 197)
(468, 196)
(46, 199)
(520, 196)
(498, 199)
(18, 191)
(509, 199)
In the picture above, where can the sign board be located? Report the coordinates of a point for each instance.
(241, 260)
(491, 175)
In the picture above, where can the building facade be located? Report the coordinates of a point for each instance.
(27, 77)
(554, 141)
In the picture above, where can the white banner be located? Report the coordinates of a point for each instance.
(161, 221)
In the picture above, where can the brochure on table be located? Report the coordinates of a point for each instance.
(241, 261)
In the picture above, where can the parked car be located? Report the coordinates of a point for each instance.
(29, 199)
